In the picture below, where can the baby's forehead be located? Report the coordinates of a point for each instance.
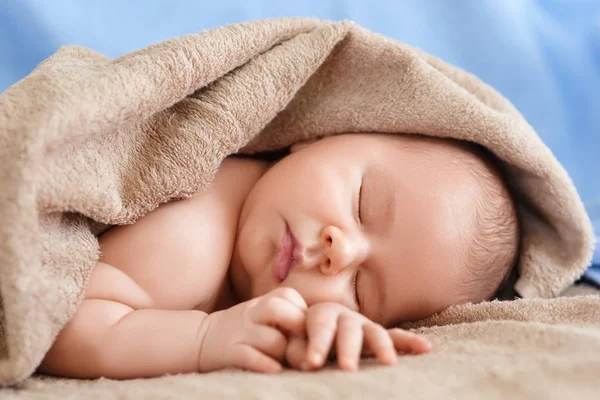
(435, 166)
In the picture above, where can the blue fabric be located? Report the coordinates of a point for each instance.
(592, 275)
(543, 55)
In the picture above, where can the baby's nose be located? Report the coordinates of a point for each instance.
(341, 250)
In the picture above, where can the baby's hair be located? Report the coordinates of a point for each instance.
(493, 250)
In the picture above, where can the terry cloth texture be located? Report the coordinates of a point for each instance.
(88, 142)
(525, 349)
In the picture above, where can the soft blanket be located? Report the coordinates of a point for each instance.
(526, 349)
(87, 142)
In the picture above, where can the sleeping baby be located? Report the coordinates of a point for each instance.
(320, 253)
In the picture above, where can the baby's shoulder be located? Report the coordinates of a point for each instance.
(187, 243)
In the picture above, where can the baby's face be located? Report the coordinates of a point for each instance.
(360, 219)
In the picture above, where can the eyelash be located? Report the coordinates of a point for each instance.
(358, 213)
(360, 201)
(354, 288)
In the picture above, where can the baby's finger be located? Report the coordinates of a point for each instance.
(295, 354)
(321, 329)
(269, 341)
(349, 342)
(379, 341)
(408, 342)
(251, 359)
(277, 311)
(291, 295)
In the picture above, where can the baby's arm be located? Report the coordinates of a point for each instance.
(124, 327)
(107, 338)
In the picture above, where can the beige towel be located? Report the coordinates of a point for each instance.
(526, 349)
(87, 142)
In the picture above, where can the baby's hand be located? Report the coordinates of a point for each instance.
(252, 335)
(354, 335)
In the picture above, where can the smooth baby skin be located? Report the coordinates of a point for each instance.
(192, 286)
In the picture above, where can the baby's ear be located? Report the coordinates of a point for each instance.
(300, 145)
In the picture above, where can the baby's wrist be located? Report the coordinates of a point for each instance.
(205, 360)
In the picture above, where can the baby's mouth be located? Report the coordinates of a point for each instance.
(288, 256)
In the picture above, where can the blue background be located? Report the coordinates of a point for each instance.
(543, 55)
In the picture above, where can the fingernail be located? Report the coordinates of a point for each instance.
(350, 364)
(425, 346)
(316, 358)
